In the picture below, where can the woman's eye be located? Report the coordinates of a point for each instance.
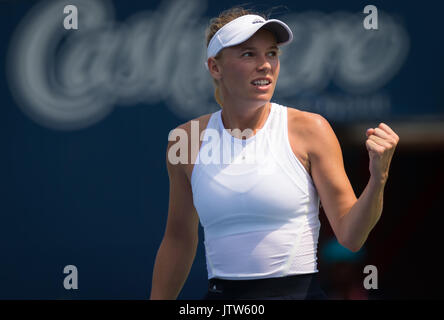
(250, 54)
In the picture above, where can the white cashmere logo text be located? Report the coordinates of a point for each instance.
(66, 78)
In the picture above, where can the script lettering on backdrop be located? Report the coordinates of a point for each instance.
(71, 79)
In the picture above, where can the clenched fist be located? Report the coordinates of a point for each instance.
(381, 143)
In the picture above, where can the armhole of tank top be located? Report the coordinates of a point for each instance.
(292, 156)
(195, 173)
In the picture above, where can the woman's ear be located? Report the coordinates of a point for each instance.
(214, 68)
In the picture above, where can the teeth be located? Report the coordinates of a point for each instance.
(261, 82)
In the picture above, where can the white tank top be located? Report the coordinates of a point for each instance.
(258, 208)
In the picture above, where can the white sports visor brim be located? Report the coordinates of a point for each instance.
(241, 29)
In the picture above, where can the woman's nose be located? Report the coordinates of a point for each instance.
(263, 64)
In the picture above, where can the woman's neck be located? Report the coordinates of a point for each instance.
(244, 117)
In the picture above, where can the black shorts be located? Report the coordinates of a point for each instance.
(295, 287)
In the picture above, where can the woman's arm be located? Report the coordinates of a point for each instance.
(178, 248)
(351, 219)
(363, 216)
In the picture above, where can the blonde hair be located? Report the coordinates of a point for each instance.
(218, 22)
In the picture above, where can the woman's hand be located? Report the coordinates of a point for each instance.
(381, 143)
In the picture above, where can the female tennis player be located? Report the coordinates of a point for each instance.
(260, 218)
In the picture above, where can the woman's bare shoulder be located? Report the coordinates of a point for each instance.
(304, 122)
(202, 121)
(191, 138)
(314, 130)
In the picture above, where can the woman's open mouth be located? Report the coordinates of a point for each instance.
(261, 84)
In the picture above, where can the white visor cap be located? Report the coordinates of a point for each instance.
(241, 29)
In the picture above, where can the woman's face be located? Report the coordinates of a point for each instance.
(249, 71)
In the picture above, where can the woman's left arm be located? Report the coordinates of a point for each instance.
(351, 219)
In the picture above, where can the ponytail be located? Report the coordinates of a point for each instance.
(217, 96)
